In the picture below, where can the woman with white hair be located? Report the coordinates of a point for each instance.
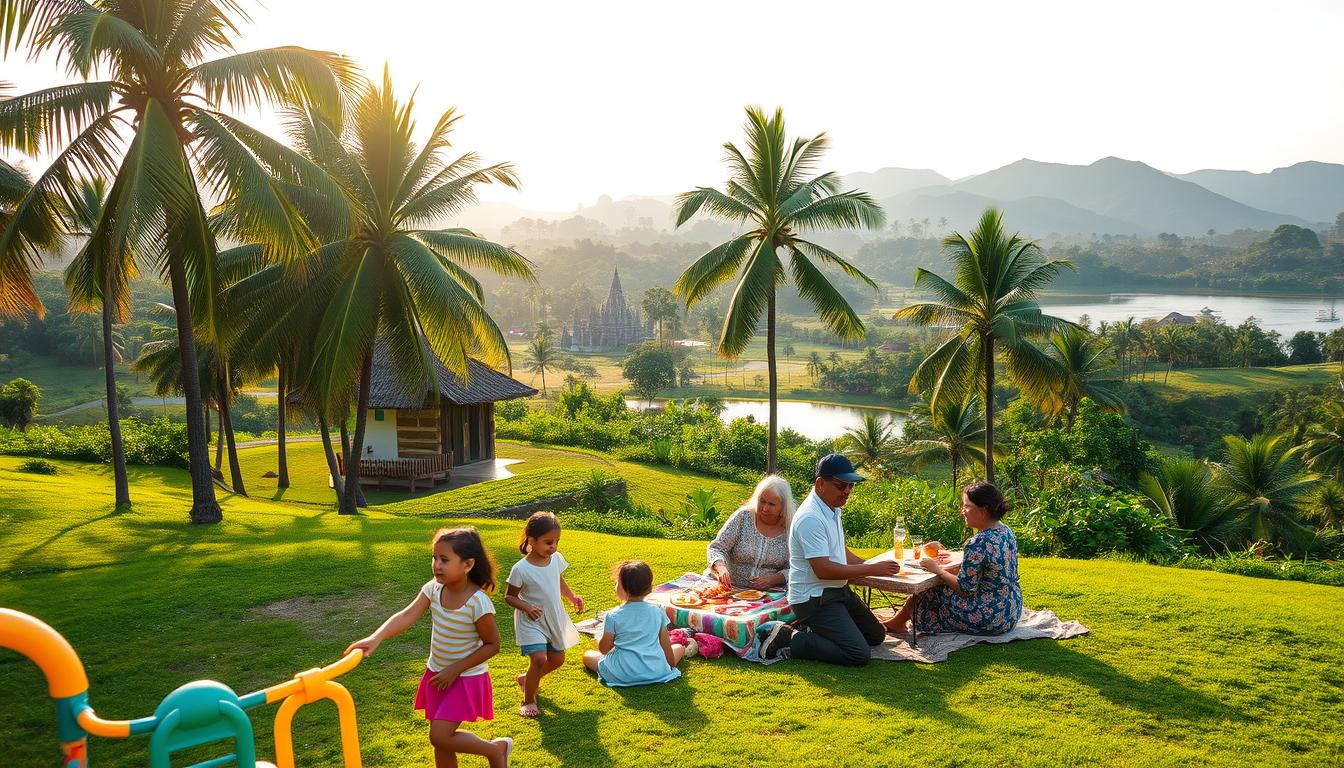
(752, 548)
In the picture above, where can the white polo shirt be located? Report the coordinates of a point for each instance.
(815, 532)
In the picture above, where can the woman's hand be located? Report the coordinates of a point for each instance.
(368, 645)
(934, 546)
(577, 600)
(533, 611)
(767, 581)
(442, 680)
(720, 572)
(931, 565)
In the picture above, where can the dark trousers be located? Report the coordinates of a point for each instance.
(836, 628)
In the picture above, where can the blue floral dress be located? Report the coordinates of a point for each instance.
(992, 603)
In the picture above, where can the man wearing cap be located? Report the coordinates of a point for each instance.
(834, 624)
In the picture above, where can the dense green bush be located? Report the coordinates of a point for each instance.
(158, 442)
(1090, 520)
(930, 512)
(1330, 573)
(38, 467)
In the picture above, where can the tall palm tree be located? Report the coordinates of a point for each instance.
(1124, 336)
(1267, 485)
(871, 443)
(1081, 371)
(37, 235)
(542, 356)
(104, 279)
(1184, 490)
(991, 298)
(769, 189)
(155, 128)
(959, 430)
(1324, 446)
(391, 279)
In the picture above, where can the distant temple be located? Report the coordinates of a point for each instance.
(615, 325)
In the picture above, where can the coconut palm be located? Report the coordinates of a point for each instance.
(769, 189)
(991, 299)
(959, 435)
(1324, 446)
(155, 127)
(1266, 484)
(542, 356)
(391, 279)
(871, 443)
(33, 236)
(1080, 372)
(1327, 507)
(1184, 490)
(96, 277)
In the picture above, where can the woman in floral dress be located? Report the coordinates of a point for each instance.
(984, 597)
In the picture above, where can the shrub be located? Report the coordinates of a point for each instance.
(158, 442)
(1090, 520)
(38, 467)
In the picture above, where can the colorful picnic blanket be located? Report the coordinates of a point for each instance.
(735, 621)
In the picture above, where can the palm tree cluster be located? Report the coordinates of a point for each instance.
(336, 228)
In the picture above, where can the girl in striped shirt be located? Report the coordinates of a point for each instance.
(455, 688)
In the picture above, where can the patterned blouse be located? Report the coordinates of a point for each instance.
(992, 603)
(746, 551)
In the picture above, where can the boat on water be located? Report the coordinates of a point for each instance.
(1327, 315)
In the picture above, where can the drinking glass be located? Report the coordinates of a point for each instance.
(897, 540)
(917, 546)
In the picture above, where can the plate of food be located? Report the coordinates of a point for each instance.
(687, 600)
(734, 610)
(749, 594)
(716, 590)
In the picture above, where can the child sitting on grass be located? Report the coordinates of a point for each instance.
(541, 627)
(635, 648)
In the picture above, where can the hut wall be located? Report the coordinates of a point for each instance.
(380, 436)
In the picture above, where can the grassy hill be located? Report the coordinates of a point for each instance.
(1181, 668)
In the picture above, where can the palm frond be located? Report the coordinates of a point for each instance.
(469, 249)
(46, 119)
(760, 277)
(283, 75)
(712, 269)
(829, 303)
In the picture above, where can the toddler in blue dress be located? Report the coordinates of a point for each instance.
(635, 648)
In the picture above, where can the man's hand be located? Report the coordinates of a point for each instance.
(884, 568)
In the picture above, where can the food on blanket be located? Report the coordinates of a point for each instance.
(714, 590)
(687, 599)
(717, 600)
(734, 610)
(749, 594)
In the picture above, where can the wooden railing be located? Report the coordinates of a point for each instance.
(409, 471)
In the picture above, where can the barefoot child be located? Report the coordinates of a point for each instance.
(540, 625)
(635, 648)
(455, 688)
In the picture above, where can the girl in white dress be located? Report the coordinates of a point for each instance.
(541, 627)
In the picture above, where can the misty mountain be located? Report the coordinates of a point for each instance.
(1032, 216)
(1311, 190)
(889, 182)
(1126, 190)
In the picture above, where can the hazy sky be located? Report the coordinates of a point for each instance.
(626, 98)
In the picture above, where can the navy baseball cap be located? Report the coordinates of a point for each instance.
(837, 466)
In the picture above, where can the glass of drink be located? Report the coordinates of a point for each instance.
(917, 545)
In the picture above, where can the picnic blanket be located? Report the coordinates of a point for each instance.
(935, 648)
(737, 627)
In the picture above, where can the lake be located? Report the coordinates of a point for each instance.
(812, 420)
(1285, 314)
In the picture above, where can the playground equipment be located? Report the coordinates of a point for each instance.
(199, 713)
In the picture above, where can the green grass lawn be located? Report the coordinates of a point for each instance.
(1240, 381)
(1181, 667)
(64, 385)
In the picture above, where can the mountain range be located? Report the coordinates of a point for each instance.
(1109, 196)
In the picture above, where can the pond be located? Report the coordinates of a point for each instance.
(1285, 314)
(815, 421)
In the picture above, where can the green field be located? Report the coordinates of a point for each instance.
(64, 385)
(1181, 667)
(1240, 381)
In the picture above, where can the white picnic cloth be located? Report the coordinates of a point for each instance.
(1033, 625)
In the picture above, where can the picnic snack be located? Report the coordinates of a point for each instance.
(749, 594)
(687, 599)
(713, 591)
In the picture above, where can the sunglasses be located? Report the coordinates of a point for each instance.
(840, 484)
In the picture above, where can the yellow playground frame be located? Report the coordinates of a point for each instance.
(197, 713)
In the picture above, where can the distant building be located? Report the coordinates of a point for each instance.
(1176, 318)
(614, 325)
(895, 346)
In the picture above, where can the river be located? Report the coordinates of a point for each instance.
(1285, 314)
(815, 421)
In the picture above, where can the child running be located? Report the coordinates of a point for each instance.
(455, 688)
(635, 648)
(541, 626)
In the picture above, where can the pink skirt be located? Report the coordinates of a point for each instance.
(468, 699)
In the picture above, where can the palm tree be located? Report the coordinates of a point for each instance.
(1124, 335)
(992, 299)
(37, 235)
(1327, 507)
(1081, 369)
(155, 128)
(1266, 484)
(1324, 446)
(390, 279)
(542, 356)
(1295, 410)
(814, 367)
(1184, 490)
(871, 443)
(660, 306)
(104, 279)
(769, 189)
(959, 431)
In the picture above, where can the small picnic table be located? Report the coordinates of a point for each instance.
(912, 580)
(735, 622)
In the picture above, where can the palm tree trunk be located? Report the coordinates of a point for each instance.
(1073, 413)
(204, 507)
(988, 345)
(119, 481)
(954, 469)
(219, 443)
(336, 482)
(345, 451)
(771, 446)
(283, 469)
(226, 417)
(349, 503)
